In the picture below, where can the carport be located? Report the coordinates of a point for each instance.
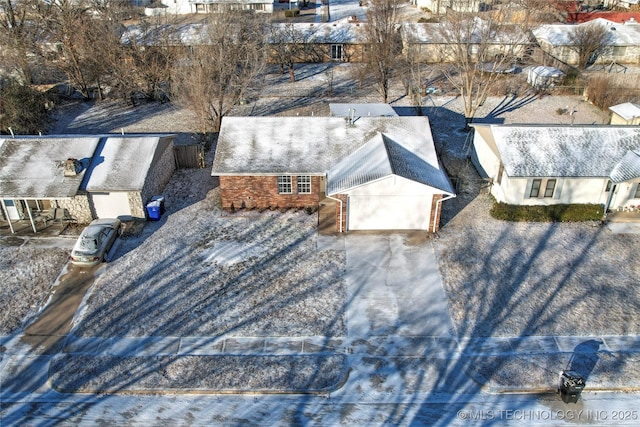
(36, 172)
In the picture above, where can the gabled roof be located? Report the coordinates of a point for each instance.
(627, 110)
(628, 168)
(33, 167)
(340, 32)
(562, 151)
(382, 157)
(121, 163)
(619, 34)
(369, 148)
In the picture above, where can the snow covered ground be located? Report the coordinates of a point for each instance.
(201, 273)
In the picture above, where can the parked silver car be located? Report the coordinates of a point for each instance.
(95, 241)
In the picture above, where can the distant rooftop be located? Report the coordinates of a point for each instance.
(627, 110)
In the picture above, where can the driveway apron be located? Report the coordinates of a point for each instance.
(394, 288)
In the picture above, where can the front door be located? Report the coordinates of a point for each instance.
(12, 209)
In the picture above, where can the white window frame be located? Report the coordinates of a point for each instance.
(334, 48)
(553, 188)
(303, 184)
(284, 183)
(533, 188)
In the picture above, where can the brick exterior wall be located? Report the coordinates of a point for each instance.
(262, 192)
(435, 218)
(343, 198)
(157, 178)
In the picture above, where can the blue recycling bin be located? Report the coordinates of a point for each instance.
(153, 210)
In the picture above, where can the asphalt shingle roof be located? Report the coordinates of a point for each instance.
(563, 151)
(32, 167)
(352, 154)
(628, 168)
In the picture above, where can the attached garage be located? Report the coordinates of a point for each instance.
(388, 186)
(111, 205)
(393, 203)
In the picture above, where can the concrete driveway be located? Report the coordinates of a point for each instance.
(394, 287)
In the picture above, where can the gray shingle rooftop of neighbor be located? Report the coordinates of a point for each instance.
(310, 145)
(122, 162)
(563, 151)
(32, 167)
(362, 110)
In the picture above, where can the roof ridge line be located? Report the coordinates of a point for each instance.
(386, 147)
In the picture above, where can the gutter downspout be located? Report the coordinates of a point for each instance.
(339, 201)
(438, 204)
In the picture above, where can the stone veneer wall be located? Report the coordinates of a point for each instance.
(262, 192)
(78, 208)
(136, 205)
(157, 179)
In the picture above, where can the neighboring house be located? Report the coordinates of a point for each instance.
(179, 7)
(624, 4)
(426, 42)
(342, 42)
(441, 6)
(623, 46)
(383, 172)
(627, 113)
(86, 177)
(555, 164)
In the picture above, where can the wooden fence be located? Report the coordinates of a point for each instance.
(189, 156)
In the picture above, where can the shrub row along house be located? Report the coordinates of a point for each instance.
(383, 172)
(555, 164)
(81, 178)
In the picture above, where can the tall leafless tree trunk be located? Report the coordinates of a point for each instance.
(384, 45)
(17, 39)
(478, 51)
(215, 73)
(290, 44)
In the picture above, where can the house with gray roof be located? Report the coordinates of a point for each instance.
(382, 172)
(622, 44)
(80, 178)
(556, 164)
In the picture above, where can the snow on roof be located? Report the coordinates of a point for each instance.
(627, 110)
(312, 145)
(628, 168)
(362, 110)
(33, 167)
(563, 151)
(432, 33)
(381, 157)
(558, 34)
(122, 163)
(341, 32)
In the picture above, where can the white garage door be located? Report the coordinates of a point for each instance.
(111, 205)
(389, 212)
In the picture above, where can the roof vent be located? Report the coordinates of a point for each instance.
(72, 167)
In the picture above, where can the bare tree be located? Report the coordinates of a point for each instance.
(588, 41)
(384, 45)
(290, 44)
(17, 39)
(216, 71)
(478, 51)
(84, 36)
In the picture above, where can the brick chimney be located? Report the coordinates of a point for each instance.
(71, 167)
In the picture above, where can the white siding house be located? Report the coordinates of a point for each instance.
(622, 46)
(544, 165)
